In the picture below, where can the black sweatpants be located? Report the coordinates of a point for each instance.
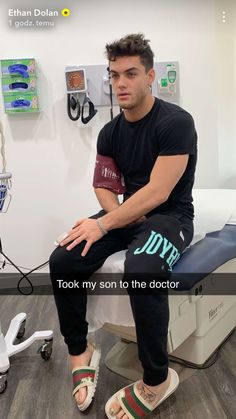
(153, 247)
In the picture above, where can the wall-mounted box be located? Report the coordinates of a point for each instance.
(19, 84)
(23, 67)
(17, 102)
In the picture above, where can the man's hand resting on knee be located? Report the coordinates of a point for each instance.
(85, 229)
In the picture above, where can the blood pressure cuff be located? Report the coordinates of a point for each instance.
(107, 175)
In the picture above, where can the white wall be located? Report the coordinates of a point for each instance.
(52, 158)
(226, 91)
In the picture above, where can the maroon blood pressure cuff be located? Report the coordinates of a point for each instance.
(107, 175)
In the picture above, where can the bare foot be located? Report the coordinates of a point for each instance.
(79, 361)
(151, 394)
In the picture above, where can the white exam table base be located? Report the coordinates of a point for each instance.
(192, 336)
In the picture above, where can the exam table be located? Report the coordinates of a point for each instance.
(203, 310)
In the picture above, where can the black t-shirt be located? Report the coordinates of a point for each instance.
(166, 130)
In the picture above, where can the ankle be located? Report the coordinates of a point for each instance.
(84, 357)
(157, 386)
(86, 349)
(163, 383)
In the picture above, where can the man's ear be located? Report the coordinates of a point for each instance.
(151, 76)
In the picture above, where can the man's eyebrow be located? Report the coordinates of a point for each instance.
(126, 71)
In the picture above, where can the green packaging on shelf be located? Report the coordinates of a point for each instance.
(15, 84)
(24, 67)
(18, 102)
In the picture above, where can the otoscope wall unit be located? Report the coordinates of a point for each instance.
(19, 85)
(166, 84)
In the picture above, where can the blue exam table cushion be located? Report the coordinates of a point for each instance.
(206, 255)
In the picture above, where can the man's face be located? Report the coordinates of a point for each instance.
(130, 82)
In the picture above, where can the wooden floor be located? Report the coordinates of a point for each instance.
(39, 389)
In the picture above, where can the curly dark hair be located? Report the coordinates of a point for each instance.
(132, 45)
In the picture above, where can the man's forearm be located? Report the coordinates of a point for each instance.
(107, 199)
(139, 204)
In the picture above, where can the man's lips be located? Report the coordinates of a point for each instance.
(123, 95)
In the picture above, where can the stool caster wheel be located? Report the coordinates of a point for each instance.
(3, 382)
(46, 349)
(21, 331)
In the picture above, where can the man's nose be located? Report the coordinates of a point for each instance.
(122, 81)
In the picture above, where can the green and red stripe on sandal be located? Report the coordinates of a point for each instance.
(133, 404)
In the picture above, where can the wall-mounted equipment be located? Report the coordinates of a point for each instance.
(16, 84)
(19, 85)
(168, 81)
(107, 88)
(5, 177)
(77, 95)
(165, 85)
